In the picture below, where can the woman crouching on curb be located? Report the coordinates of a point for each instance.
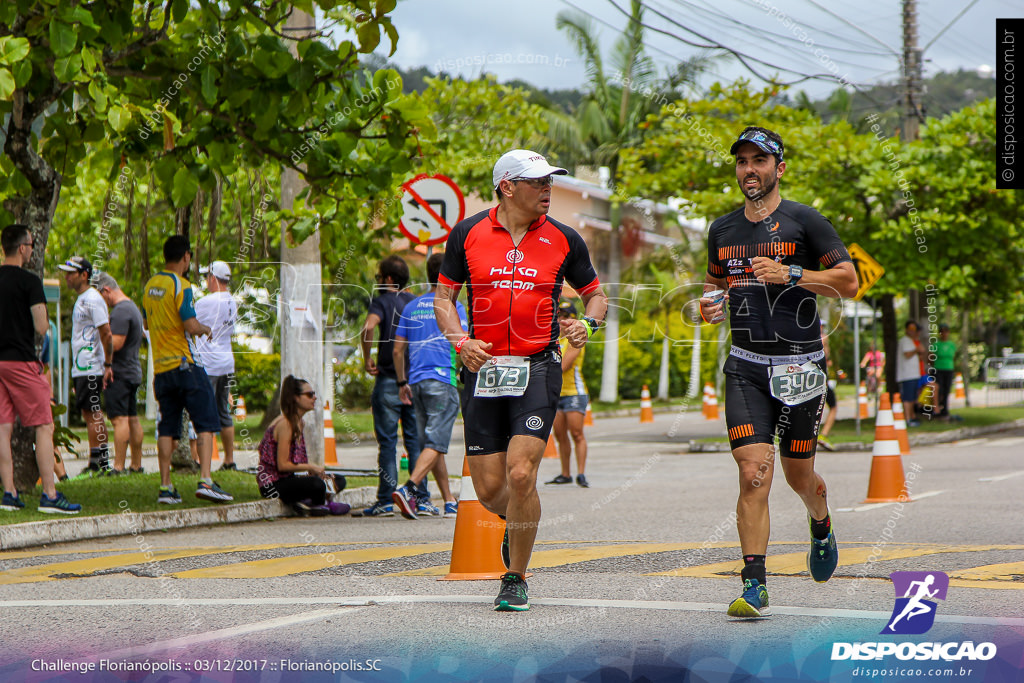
(283, 455)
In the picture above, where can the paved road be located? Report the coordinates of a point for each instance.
(632, 574)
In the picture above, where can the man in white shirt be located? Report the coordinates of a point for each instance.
(908, 370)
(219, 311)
(92, 355)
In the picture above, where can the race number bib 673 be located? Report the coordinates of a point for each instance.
(793, 384)
(503, 376)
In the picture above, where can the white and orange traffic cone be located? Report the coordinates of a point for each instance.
(240, 413)
(710, 402)
(330, 446)
(476, 549)
(900, 424)
(588, 418)
(862, 401)
(886, 483)
(646, 409)
(959, 390)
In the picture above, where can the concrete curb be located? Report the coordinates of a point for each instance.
(916, 440)
(64, 529)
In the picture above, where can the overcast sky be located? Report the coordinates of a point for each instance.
(518, 39)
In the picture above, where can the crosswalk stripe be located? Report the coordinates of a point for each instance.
(300, 564)
(790, 564)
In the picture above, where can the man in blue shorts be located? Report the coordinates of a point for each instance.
(430, 387)
(774, 257)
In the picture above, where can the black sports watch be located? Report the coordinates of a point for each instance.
(590, 321)
(795, 273)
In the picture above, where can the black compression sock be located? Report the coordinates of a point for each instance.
(753, 568)
(821, 529)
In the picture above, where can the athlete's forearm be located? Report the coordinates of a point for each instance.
(447, 316)
(595, 304)
(838, 282)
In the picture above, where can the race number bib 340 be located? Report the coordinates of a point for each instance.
(503, 376)
(794, 384)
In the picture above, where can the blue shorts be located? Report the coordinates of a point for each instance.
(179, 389)
(574, 404)
(908, 389)
(437, 406)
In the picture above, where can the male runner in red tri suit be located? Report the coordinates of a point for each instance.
(513, 260)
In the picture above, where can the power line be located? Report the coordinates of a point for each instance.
(855, 27)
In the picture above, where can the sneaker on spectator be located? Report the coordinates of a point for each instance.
(560, 479)
(139, 470)
(582, 481)
(228, 466)
(406, 501)
(378, 509)
(12, 503)
(302, 508)
(319, 511)
(428, 509)
(58, 504)
(169, 497)
(338, 508)
(213, 492)
(451, 510)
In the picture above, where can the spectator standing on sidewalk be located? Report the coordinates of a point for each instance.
(430, 386)
(24, 390)
(126, 328)
(572, 404)
(908, 370)
(91, 357)
(388, 409)
(219, 311)
(945, 364)
(180, 380)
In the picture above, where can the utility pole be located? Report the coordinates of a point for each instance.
(913, 109)
(301, 309)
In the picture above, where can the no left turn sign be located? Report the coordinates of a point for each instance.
(430, 207)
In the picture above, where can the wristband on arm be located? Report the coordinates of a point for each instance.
(458, 344)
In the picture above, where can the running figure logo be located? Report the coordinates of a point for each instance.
(914, 612)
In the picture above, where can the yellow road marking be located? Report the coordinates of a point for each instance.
(1005, 571)
(285, 566)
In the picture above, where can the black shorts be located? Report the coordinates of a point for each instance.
(490, 423)
(753, 415)
(221, 385)
(182, 388)
(87, 393)
(120, 398)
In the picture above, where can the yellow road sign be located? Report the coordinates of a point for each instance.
(869, 271)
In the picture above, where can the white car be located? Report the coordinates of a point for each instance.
(1011, 371)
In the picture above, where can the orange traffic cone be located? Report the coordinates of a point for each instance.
(886, 483)
(710, 402)
(215, 452)
(476, 549)
(549, 450)
(240, 413)
(862, 400)
(646, 410)
(588, 418)
(958, 387)
(900, 424)
(330, 447)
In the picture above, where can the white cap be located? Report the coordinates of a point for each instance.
(219, 269)
(522, 163)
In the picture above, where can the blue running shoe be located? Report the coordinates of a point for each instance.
(378, 509)
(406, 502)
(58, 505)
(753, 603)
(451, 510)
(823, 558)
(12, 503)
(428, 509)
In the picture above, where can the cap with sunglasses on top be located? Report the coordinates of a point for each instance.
(76, 264)
(762, 141)
(218, 269)
(523, 164)
(567, 307)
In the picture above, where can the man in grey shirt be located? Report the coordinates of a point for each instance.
(126, 329)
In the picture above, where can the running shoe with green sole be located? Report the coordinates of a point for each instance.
(753, 603)
(822, 558)
(512, 597)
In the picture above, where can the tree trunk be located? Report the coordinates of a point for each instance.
(181, 457)
(36, 211)
(965, 354)
(213, 216)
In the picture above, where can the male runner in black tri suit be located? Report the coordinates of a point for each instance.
(767, 256)
(513, 259)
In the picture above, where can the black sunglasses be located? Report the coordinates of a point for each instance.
(538, 183)
(311, 394)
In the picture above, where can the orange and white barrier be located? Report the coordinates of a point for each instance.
(476, 549)
(886, 483)
(900, 423)
(330, 446)
(959, 390)
(862, 401)
(710, 402)
(240, 413)
(646, 409)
